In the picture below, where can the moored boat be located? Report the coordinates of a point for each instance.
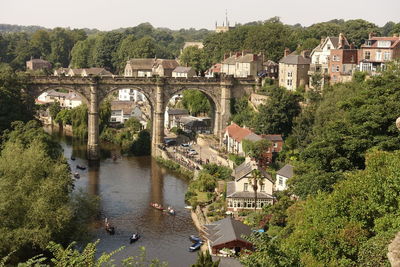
(81, 167)
(135, 237)
(77, 175)
(157, 206)
(194, 239)
(195, 246)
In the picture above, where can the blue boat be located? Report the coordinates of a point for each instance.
(194, 239)
(135, 237)
(195, 246)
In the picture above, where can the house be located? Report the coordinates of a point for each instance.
(376, 51)
(148, 67)
(183, 72)
(242, 64)
(38, 64)
(87, 72)
(72, 100)
(164, 67)
(293, 70)
(61, 72)
(95, 72)
(270, 69)
(192, 124)
(172, 117)
(130, 95)
(227, 233)
(342, 64)
(233, 136)
(121, 111)
(276, 147)
(214, 71)
(320, 57)
(282, 176)
(240, 194)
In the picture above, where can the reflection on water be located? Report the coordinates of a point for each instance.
(126, 187)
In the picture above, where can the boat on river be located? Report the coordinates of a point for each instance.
(157, 206)
(72, 158)
(81, 167)
(77, 175)
(109, 228)
(170, 211)
(195, 246)
(135, 237)
(194, 239)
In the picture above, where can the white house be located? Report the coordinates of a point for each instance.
(183, 72)
(172, 117)
(240, 193)
(233, 136)
(282, 176)
(130, 95)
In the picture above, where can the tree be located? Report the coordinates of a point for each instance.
(54, 109)
(205, 260)
(277, 114)
(81, 54)
(104, 50)
(37, 203)
(15, 105)
(255, 179)
(241, 111)
(256, 149)
(196, 58)
(195, 102)
(61, 46)
(142, 145)
(40, 42)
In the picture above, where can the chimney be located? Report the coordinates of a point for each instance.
(286, 52)
(305, 53)
(341, 41)
(371, 35)
(352, 45)
(322, 40)
(230, 54)
(243, 53)
(255, 57)
(238, 54)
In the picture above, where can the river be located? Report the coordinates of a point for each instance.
(126, 187)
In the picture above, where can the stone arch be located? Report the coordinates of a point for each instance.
(211, 94)
(37, 91)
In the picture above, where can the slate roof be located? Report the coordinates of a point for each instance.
(237, 132)
(295, 60)
(142, 63)
(226, 230)
(177, 112)
(97, 71)
(253, 137)
(181, 69)
(125, 106)
(272, 137)
(247, 167)
(55, 93)
(394, 41)
(286, 171)
(167, 63)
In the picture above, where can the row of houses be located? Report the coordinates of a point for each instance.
(68, 99)
(148, 67)
(335, 60)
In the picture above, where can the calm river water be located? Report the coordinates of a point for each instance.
(126, 187)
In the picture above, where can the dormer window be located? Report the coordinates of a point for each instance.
(368, 43)
(384, 43)
(246, 187)
(328, 47)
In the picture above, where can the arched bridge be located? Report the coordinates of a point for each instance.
(158, 90)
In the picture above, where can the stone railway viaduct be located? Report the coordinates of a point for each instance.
(158, 91)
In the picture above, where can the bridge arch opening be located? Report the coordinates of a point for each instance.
(191, 110)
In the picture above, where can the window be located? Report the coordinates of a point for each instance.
(289, 82)
(336, 58)
(246, 187)
(378, 55)
(386, 55)
(262, 188)
(384, 43)
(290, 74)
(329, 47)
(367, 55)
(368, 43)
(337, 68)
(280, 181)
(275, 145)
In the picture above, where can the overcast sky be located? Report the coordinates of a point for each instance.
(176, 14)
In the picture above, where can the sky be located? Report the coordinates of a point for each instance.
(177, 14)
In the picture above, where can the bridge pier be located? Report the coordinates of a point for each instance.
(225, 114)
(93, 149)
(158, 119)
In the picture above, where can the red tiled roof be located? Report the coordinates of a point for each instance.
(237, 132)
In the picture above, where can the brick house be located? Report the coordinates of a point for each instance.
(342, 64)
(376, 51)
(293, 70)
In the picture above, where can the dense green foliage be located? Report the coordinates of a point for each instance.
(205, 260)
(73, 257)
(37, 204)
(351, 119)
(196, 102)
(196, 58)
(14, 103)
